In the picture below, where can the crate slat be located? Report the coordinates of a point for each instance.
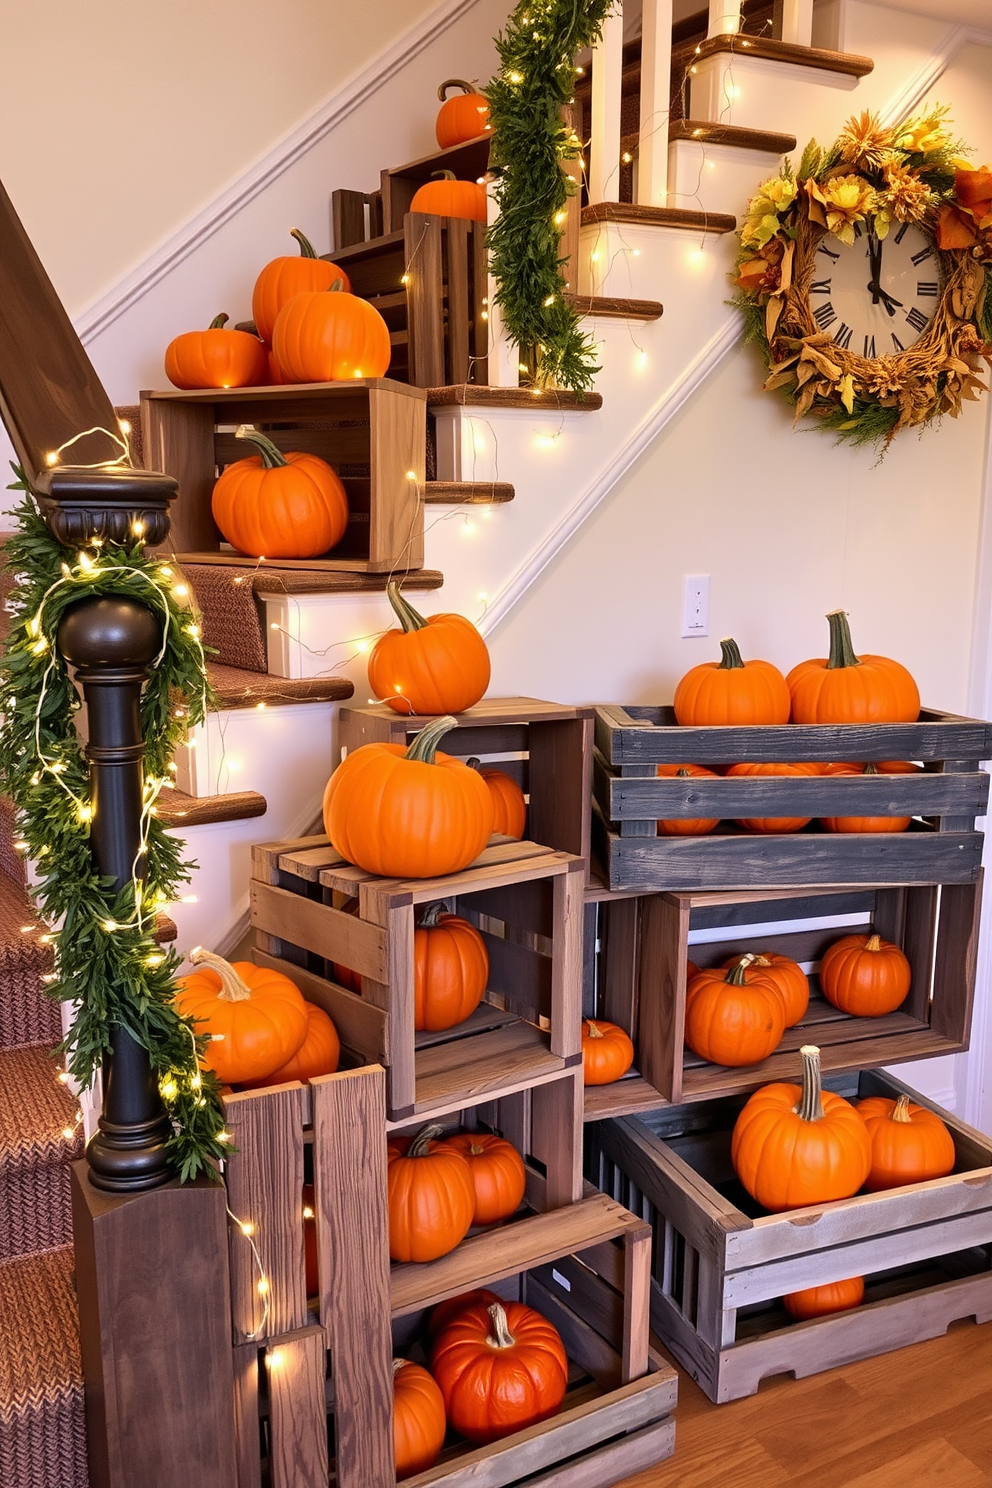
(298, 1444)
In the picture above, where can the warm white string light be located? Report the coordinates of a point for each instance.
(262, 1285)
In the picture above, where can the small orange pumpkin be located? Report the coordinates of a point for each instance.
(285, 277)
(869, 823)
(419, 1422)
(774, 823)
(509, 801)
(607, 1052)
(833, 1296)
(784, 975)
(908, 1143)
(463, 117)
(845, 688)
(450, 970)
(437, 665)
(430, 1195)
(498, 1174)
(731, 691)
(216, 358)
(865, 975)
(500, 1368)
(445, 196)
(272, 505)
(679, 826)
(730, 1021)
(255, 1019)
(330, 336)
(317, 1055)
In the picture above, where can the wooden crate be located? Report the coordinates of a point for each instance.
(545, 747)
(525, 899)
(721, 1263)
(940, 845)
(645, 942)
(373, 432)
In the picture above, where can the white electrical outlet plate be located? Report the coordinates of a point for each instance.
(696, 605)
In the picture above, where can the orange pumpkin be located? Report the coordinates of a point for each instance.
(869, 823)
(845, 688)
(498, 1174)
(450, 970)
(683, 826)
(865, 975)
(430, 1195)
(729, 1021)
(501, 1368)
(437, 665)
(784, 975)
(276, 376)
(461, 118)
(793, 1145)
(283, 278)
(774, 823)
(444, 196)
(509, 801)
(419, 1422)
(408, 812)
(330, 336)
(279, 506)
(216, 358)
(908, 1143)
(731, 691)
(833, 1296)
(607, 1052)
(317, 1055)
(311, 1265)
(255, 1019)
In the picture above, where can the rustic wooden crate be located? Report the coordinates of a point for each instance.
(545, 747)
(942, 846)
(373, 432)
(721, 1264)
(525, 899)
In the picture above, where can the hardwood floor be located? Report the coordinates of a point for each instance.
(917, 1418)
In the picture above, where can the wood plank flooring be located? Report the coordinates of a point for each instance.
(917, 1418)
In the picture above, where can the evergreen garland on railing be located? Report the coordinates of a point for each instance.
(107, 963)
(537, 52)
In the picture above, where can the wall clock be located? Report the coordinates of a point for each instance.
(876, 295)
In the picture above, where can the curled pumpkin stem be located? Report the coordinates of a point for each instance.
(424, 746)
(420, 1146)
(307, 249)
(431, 917)
(737, 974)
(408, 617)
(232, 988)
(442, 91)
(272, 457)
(218, 323)
(501, 1337)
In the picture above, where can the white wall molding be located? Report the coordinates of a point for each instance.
(133, 286)
(912, 95)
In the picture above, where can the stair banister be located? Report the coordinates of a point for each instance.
(725, 18)
(797, 21)
(656, 72)
(607, 75)
(504, 356)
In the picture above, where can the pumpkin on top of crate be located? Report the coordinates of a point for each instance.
(732, 691)
(607, 1052)
(818, 1301)
(846, 688)
(865, 975)
(869, 823)
(330, 336)
(501, 1368)
(731, 1018)
(446, 196)
(509, 801)
(450, 969)
(908, 1142)
(419, 1421)
(437, 664)
(255, 1019)
(462, 117)
(216, 358)
(431, 1197)
(272, 505)
(684, 826)
(783, 975)
(287, 276)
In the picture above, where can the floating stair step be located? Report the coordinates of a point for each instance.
(847, 64)
(614, 308)
(631, 212)
(27, 1016)
(178, 810)
(303, 581)
(42, 1420)
(478, 395)
(235, 688)
(36, 1112)
(731, 134)
(467, 493)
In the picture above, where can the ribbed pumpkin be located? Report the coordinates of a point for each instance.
(463, 117)
(317, 1055)
(434, 665)
(500, 1368)
(498, 1174)
(419, 1422)
(272, 505)
(685, 826)
(846, 688)
(255, 1019)
(285, 277)
(509, 801)
(908, 1143)
(796, 1145)
(216, 358)
(330, 336)
(430, 1195)
(773, 823)
(450, 969)
(607, 1052)
(869, 823)
(833, 1296)
(783, 975)
(865, 975)
(445, 196)
(408, 812)
(732, 691)
(730, 1021)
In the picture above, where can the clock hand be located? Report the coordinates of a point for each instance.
(874, 265)
(891, 304)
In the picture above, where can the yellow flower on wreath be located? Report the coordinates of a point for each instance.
(765, 210)
(924, 135)
(837, 204)
(903, 197)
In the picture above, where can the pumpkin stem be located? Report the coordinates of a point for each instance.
(399, 1364)
(272, 457)
(900, 1111)
(424, 746)
(760, 961)
(218, 323)
(873, 943)
(232, 988)
(403, 609)
(737, 974)
(431, 916)
(455, 83)
(593, 1029)
(336, 286)
(841, 645)
(870, 768)
(810, 1107)
(443, 175)
(307, 249)
(474, 763)
(682, 773)
(730, 655)
(421, 1142)
(501, 1328)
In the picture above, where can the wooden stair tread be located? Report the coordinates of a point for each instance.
(616, 308)
(478, 395)
(306, 576)
(462, 493)
(176, 809)
(709, 133)
(235, 688)
(683, 217)
(848, 64)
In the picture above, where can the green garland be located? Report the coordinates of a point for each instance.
(537, 54)
(106, 960)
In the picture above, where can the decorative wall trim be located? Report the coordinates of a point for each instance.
(169, 254)
(908, 101)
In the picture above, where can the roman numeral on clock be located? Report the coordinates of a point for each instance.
(869, 350)
(842, 337)
(917, 319)
(926, 287)
(857, 229)
(825, 315)
(902, 232)
(828, 251)
(896, 342)
(820, 286)
(921, 257)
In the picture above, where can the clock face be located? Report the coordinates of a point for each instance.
(876, 296)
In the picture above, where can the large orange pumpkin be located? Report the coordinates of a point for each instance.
(437, 665)
(509, 801)
(330, 336)
(865, 975)
(461, 118)
(283, 278)
(450, 970)
(272, 505)
(684, 826)
(607, 1052)
(833, 1296)
(430, 1195)
(732, 691)
(419, 1422)
(774, 823)
(408, 812)
(908, 1143)
(255, 1019)
(317, 1055)
(796, 1145)
(445, 196)
(216, 358)
(783, 975)
(730, 1021)
(869, 823)
(845, 688)
(498, 1174)
(500, 1368)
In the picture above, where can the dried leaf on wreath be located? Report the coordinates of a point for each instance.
(846, 389)
(785, 267)
(773, 311)
(781, 377)
(822, 363)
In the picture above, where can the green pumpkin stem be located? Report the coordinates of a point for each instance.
(421, 1143)
(737, 974)
(500, 1337)
(424, 746)
(403, 609)
(810, 1107)
(218, 323)
(272, 457)
(900, 1111)
(307, 250)
(455, 83)
(841, 645)
(232, 988)
(730, 655)
(432, 914)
